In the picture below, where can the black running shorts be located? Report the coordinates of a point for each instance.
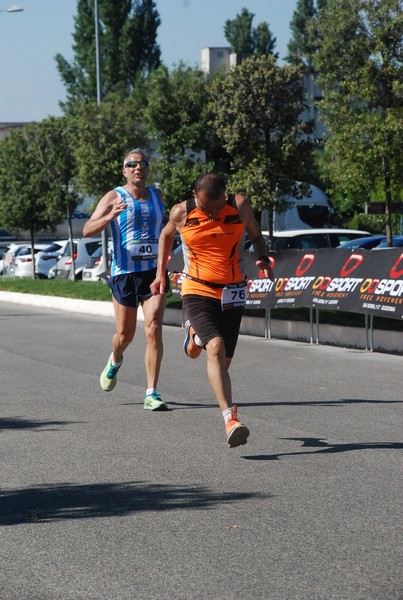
(130, 289)
(210, 321)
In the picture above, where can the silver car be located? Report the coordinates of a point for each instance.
(94, 269)
(82, 249)
(47, 258)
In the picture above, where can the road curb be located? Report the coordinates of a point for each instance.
(89, 307)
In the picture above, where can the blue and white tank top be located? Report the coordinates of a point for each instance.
(135, 233)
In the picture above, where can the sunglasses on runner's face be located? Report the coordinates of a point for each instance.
(132, 164)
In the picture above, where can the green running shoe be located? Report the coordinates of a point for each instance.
(108, 376)
(153, 402)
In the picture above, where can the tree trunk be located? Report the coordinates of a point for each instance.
(71, 242)
(32, 238)
(270, 210)
(388, 199)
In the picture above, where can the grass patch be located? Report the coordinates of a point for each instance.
(82, 290)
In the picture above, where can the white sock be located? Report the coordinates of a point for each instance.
(197, 340)
(227, 414)
(150, 391)
(115, 364)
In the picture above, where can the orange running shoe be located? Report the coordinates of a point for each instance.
(237, 432)
(191, 349)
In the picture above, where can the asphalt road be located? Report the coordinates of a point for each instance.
(103, 500)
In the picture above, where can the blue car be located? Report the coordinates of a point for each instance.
(397, 243)
(368, 242)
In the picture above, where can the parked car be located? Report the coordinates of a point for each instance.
(47, 258)
(310, 238)
(364, 242)
(9, 257)
(23, 259)
(2, 253)
(397, 243)
(82, 248)
(94, 269)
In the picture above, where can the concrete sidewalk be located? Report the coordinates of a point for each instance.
(333, 335)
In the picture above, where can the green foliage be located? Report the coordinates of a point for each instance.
(127, 36)
(371, 223)
(302, 43)
(177, 110)
(177, 116)
(360, 64)
(104, 134)
(256, 113)
(178, 177)
(247, 41)
(263, 41)
(35, 175)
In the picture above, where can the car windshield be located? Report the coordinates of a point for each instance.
(22, 251)
(54, 247)
(25, 250)
(315, 215)
(97, 253)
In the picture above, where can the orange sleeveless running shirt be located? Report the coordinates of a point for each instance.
(212, 251)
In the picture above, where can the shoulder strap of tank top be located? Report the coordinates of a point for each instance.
(231, 200)
(120, 190)
(190, 205)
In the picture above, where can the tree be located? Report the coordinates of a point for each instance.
(246, 41)
(177, 117)
(52, 147)
(302, 43)
(128, 33)
(257, 112)
(33, 178)
(104, 134)
(360, 64)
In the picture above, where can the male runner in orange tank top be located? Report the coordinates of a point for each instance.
(212, 227)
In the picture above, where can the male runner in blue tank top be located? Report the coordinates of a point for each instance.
(135, 213)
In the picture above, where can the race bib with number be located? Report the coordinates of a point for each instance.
(143, 250)
(233, 296)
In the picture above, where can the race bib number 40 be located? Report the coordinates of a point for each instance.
(233, 297)
(143, 250)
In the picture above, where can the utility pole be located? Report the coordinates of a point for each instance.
(99, 100)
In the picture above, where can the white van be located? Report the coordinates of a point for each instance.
(313, 211)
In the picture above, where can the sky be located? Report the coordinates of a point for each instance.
(30, 85)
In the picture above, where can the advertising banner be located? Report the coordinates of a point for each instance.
(361, 281)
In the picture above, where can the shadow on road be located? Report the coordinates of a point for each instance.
(326, 448)
(80, 501)
(199, 403)
(174, 404)
(340, 402)
(20, 423)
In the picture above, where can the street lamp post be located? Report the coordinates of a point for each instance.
(99, 100)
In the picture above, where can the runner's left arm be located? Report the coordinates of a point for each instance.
(255, 235)
(164, 248)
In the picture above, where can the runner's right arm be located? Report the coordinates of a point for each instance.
(109, 207)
